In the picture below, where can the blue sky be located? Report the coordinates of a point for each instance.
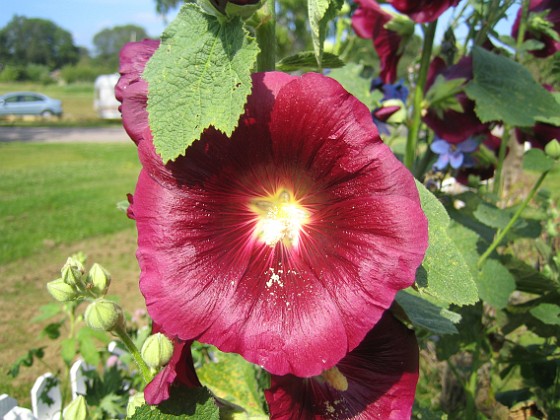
(84, 18)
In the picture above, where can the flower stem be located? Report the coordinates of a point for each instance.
(516, 216)
(266, 37)
(522, 29)
(412, 139)
(144, 369)
(497, 188)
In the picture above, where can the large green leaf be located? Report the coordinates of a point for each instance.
(427, 315)
(232, 378)
(444, 274)
(505, 91)
(495, 283)
(549, 313)
(320, 13)
(183, 403)
(200, 76)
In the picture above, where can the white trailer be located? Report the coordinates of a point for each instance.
(105, 103)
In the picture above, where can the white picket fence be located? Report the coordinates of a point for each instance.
(43, 386)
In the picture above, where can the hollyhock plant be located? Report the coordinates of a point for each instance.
(423, 11)
(370, 21)
(453, 126)
(376, 380)
(543, 25)
(284, 243)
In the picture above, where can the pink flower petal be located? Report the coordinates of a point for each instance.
(423, 11)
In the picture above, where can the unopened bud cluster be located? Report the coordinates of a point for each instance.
(75, 284)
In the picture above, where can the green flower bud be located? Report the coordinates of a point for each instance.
(401, 24)
(157, 350)
(98, 280)
(76, 410)
(62, 291)
(104, 315)
(135, 401)
(398, 117)
(552, 149)
(73, 272)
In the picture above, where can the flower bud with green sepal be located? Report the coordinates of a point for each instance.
(104, 315)
(73, 273)
(401, 24)
(231, 8)
(62, 291)
(135, 401)
(98, 280)
(157, 350)
(76, 410)
(552, 149)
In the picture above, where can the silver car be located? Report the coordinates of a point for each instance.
(29, 103)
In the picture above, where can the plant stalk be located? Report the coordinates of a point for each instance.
(266, 36)
(516, 216)
(497, 188)
(412, 139)
(144, 369)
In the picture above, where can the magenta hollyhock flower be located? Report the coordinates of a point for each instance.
(455, 127)
(423, 11)
(284, 243)
(369, 22)
(178, 372)
(376, 380)
(543, 26)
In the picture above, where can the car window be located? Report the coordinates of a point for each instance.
(11, 99)
(30, 98)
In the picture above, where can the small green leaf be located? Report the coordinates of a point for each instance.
(183, 403)
(88, 350)
(48, 311)
(200, 76)
(548, 313)
(68, 349)
(351, 79)
(233, 379)
(320, 13)
(495, 283)
(491, 215)
(306, 61)
(505, 91)
(536, 160)
(427, 315)
(444, 274)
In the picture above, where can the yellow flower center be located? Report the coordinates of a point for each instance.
(280, 218)
(335, 379)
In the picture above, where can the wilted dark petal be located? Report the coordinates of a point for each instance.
(293, 309)
(551, 46)
(368, 21)
(423, 11)
(178, 372)
(381, 375)
(385, 112)
(454, 126)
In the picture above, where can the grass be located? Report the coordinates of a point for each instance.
(56, 200)
(77, 104)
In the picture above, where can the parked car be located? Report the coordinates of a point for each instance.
(29, 103)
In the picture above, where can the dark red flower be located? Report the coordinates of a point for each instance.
(178, 372)
(541, 133)
(369, 22)
(455, 127)
(541, 28)
(284, 243)
(423, 11)
(376, 380)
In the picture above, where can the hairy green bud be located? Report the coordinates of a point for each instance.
(98, 280)
(73, 272)
(552, 149)
(104, 315)
(62, 291)
(157, 350)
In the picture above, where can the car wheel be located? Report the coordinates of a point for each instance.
(47, 114)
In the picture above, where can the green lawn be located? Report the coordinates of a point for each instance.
(61, 193)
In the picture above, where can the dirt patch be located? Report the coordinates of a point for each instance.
(24, 292)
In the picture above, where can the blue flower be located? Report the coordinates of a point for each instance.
(390, 91)
(455, 155)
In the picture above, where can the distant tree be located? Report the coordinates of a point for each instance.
(109, 42)
(26, 41)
